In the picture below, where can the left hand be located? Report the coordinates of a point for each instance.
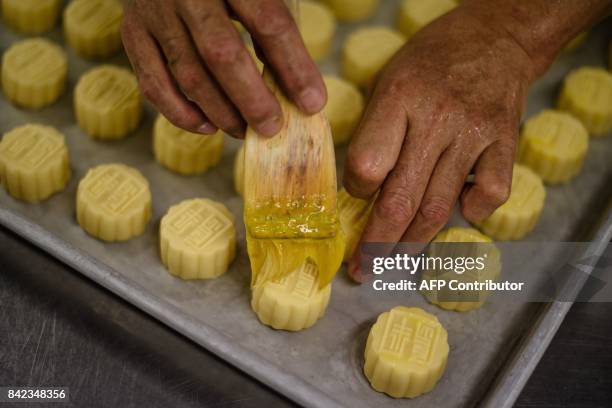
(192, 64)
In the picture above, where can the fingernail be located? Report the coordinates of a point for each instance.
(207, 128)
(271, 126)
(311, 100)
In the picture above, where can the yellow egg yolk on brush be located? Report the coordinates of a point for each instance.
(285, 255)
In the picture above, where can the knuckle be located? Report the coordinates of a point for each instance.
(497, 194)
(436, 210)
(190, 78)
(397, 206)
(365, 167)
(198, 14)
(272, 21)
(223, 50)
(173, 48)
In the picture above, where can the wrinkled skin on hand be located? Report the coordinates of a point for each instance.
(449, 103)
(193, 66)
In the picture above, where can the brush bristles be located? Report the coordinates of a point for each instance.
(306, 218)
(290, 179)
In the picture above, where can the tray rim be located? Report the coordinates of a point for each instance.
(532, 344)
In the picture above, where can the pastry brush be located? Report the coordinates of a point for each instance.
(290, 178)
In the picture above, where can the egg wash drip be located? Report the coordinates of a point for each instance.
(283, 237)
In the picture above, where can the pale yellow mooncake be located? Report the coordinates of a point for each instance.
(352, 10)
(353, 215)
(587, 94)
(107, 102)
(456, 243)
(406, 352)
(344, 107)
(294, 302)
(34, 72)
(239, 171)
(34, 162)
(553, 144)
(113, 202)
(92, 27)
(185, 152)
(367, 50)
(416, 14)
(317, 25)
(197, 239)
(31, 16)
(520, 214)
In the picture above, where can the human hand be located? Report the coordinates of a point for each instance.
(193, 66)
(450, 102)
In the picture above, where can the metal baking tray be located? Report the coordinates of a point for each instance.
(493, 350)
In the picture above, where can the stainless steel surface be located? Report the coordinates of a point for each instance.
(320, 366)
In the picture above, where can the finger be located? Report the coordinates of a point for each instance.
(401, 194)
(226, 56)
(444, 187)
(275, 31)
(156, 82)
(492, 181)
(375, 146)
(193, 79)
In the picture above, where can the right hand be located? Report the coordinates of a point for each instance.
(192, 64)
(448, 103)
